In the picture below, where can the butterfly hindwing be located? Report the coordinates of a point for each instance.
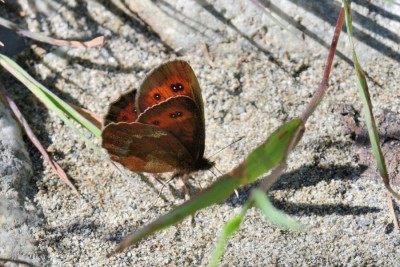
(144, 148)
(123, 109)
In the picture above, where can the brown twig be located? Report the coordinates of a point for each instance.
(45, 39)
(324, 83)
(392, 212)
(35, 141)
(206, 53)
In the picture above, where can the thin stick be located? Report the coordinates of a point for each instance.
(35, 141)
(324, 83)
(204, 50)
(392, 212)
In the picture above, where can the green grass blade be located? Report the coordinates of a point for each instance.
(273, 214)
(259, 199)
(366, 100)
(51, 101)
(262, 159)
(229, 227)
(35, 86)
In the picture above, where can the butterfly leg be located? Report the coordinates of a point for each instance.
(182, 180)
(182, 183)
(157, 177)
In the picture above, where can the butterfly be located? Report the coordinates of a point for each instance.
(160, 127)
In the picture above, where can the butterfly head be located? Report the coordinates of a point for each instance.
(203, 164)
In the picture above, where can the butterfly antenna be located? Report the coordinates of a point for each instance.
(240, 138)
(218, 170)
(213, 173)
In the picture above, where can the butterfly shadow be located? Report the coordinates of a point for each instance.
(328, 10)
(79, 230)
(81, 9)
(222, 18)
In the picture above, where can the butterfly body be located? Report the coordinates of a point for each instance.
(160, 127)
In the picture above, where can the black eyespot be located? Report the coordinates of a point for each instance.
(124, 118)
(175, 115)
(157, 96)
(156, 122)
(177, 87)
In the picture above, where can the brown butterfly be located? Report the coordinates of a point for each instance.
(160, 127)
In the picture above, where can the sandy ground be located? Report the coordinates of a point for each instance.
(250, 92)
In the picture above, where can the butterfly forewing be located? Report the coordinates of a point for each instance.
(180, 117)
(170, 79)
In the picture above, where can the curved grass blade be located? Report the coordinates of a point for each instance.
(52, 101)
(259, 199)
(229, 228)
(57, 168)
(366, 100)
(323, 86)
(273, 214)
(262, 159)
